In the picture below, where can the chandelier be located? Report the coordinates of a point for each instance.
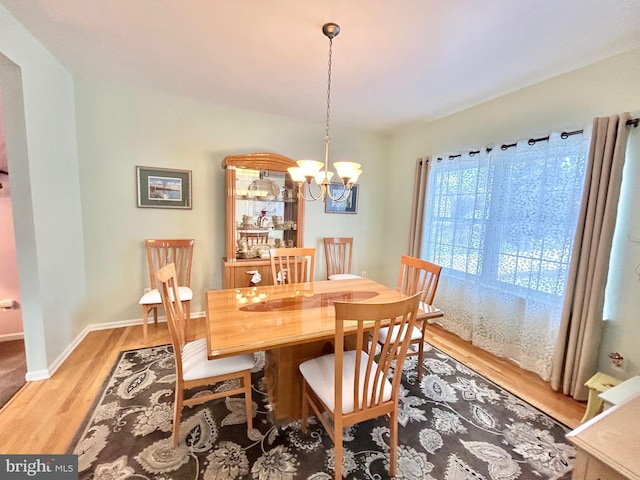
(309, 170)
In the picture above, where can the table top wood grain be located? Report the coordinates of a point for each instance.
(274, 316)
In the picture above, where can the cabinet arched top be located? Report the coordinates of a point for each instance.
(259, 161)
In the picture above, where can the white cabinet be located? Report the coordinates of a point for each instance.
(621, 392)
(608, 446)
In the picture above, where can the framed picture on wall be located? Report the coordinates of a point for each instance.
(350, 205)
(163, 187)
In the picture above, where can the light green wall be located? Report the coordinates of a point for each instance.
(119, 128)
(43, 163)
(622, 299)
(567, 102)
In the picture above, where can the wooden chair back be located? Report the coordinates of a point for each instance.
(337, 252)
(292, 265)
(255, 238)
(372, 370)
(417, 275)
(169, 293)
(161, 253)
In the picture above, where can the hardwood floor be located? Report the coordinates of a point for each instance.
(44, 416)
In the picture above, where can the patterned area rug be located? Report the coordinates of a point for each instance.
(455, 425)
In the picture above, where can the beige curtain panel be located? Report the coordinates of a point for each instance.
(418, 202)
(576, 353)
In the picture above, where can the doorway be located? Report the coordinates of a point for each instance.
(12, 352)
(14, 358)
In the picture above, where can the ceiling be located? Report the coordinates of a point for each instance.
(393, 61)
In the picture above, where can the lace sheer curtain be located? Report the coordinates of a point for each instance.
(502, 223)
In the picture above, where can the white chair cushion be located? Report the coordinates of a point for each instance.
(416, 334)
(320, 372)
(343, 276)
(196, 365)
(152, 297)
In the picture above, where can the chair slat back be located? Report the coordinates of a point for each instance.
(292, 265)
(255, 238)
(417, 275)
(161, 253)
(338, 252)
(369, 370)
(167, 281)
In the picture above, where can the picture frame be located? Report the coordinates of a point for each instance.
(163, 187)
(350, 205)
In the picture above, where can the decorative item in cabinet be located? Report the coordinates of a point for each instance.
(262, 211)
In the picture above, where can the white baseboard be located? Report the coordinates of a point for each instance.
(37, 375)
(9, 337)
(45, 374)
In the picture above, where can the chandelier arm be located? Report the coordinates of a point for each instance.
(302, 195)
(344, 194)
(321, 193)
(311, 197)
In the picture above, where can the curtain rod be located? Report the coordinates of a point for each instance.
(532, 141)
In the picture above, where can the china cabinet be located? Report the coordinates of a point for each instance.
(263, 211)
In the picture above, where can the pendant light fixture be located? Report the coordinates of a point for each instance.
(309, 171)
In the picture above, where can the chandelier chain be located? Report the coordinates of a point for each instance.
(327, 138)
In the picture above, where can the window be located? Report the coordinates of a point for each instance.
(508, 216)
(501, 223)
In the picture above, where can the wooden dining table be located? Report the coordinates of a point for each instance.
(290, 323)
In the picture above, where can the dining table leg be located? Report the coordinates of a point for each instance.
(282, 378)
(283, 381)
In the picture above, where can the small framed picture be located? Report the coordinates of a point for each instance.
(349, 205)
(163, 187)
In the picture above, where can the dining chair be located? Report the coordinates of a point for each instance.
(337, 253)
(159, 254)
(353, 385)
(416, 275)
(193, 367)
(292, 265)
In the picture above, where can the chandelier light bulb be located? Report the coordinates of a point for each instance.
(346, 170)
(321, 176)
(296, 174)
(310, 168)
